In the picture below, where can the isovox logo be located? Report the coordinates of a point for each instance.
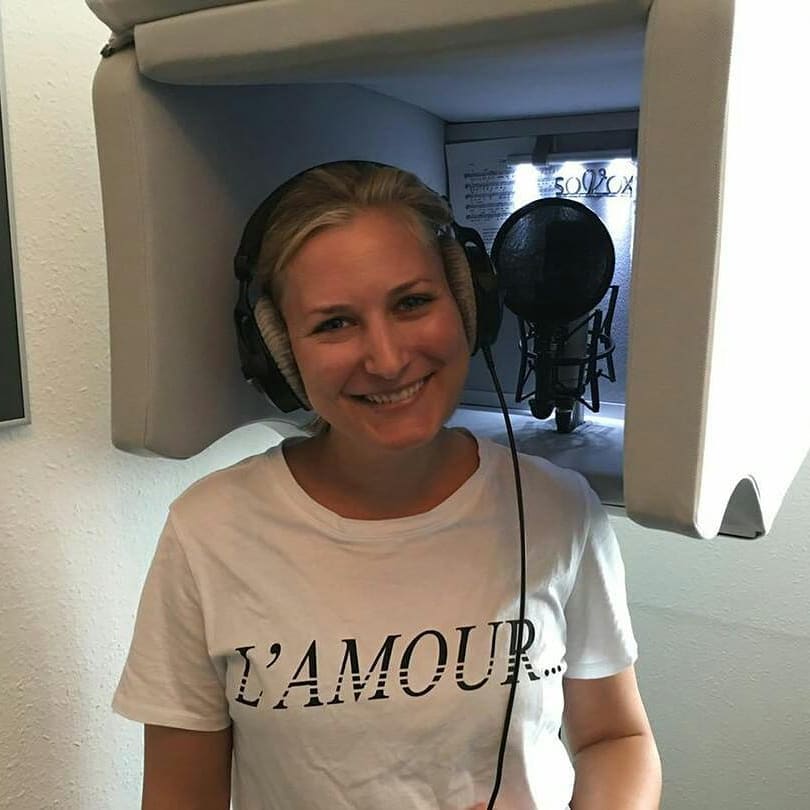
(595, 183)
(309, 687)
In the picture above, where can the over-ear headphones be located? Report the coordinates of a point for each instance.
(261, 335)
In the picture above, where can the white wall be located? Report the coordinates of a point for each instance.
(78, 519)
(724, 630)
(724, 627)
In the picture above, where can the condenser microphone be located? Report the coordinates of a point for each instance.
(555, 261)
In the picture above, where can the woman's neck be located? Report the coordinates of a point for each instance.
(375, 485)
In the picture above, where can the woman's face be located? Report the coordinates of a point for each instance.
(375, 331)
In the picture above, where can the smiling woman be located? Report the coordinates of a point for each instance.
(343, 615)
(399, 330)
(385, 374)
(13, 394)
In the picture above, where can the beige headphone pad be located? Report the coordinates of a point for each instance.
(277, 339)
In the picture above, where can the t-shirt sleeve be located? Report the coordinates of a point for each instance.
(169, 678)
(599, 635)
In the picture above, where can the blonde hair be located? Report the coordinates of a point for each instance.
(332, 195)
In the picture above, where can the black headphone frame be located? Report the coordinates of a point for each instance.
(258, 365)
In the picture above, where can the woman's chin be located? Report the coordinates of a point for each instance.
(405, 436)
(393, 435)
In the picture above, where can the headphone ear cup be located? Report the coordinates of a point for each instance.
(472, 277)
(280, 362)
(460, 282)
(488, 295)
(259, 365)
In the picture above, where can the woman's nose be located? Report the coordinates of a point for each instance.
(385, 351)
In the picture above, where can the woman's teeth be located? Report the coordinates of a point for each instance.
(396, 396)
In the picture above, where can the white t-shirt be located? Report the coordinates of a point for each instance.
(364, 664)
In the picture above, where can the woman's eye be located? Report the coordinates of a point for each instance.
(332, 325)
(411, 302)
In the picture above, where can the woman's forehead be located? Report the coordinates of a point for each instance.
(376, 250)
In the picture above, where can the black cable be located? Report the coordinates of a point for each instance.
(522, 610)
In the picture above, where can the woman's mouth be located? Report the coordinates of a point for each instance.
(401, 395)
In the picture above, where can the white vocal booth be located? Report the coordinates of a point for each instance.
(693, 107)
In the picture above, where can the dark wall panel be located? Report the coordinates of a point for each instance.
(12, 401)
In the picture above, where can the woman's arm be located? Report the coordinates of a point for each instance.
(615, 757)
(186, 770)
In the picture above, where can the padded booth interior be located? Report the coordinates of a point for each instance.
(202, 108)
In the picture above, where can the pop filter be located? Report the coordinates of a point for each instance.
(555, 260)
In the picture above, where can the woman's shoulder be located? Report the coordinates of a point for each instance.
(556, 500)
(237, 486)
(539, 473)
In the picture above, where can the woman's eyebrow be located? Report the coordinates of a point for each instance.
(407, 286)
(334, 309)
